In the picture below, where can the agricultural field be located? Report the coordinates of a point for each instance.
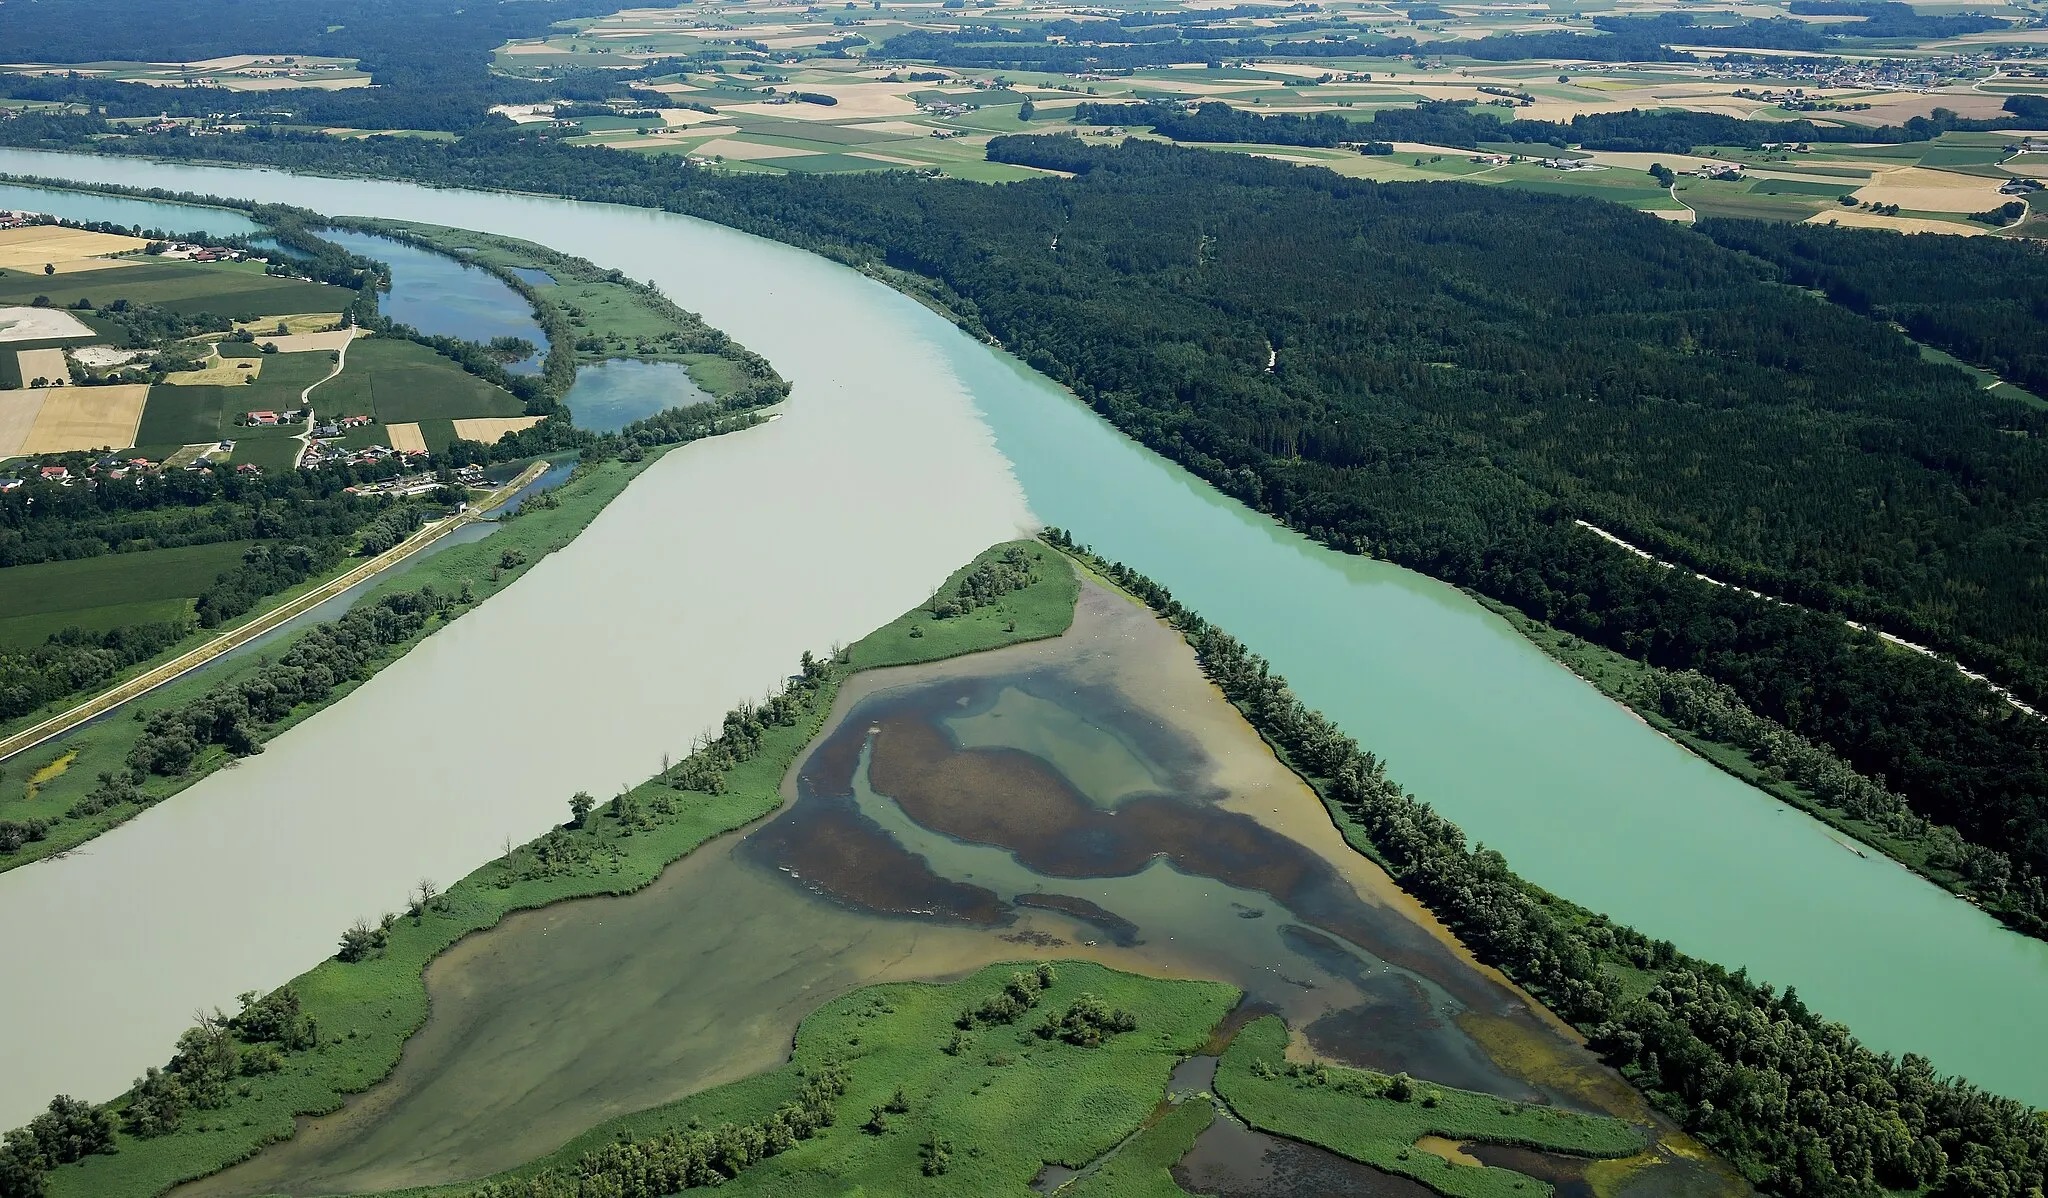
(234, 72)
(237, 290)
(32, 248)
(109, 591)
(763, 87)
(45, 316)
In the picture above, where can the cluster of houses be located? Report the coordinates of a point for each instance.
(417, 484)
(320, 453)
(187, 251)
(267, 419)
(1867, 74)
(340, 425)
(107, 466)
(18, 220)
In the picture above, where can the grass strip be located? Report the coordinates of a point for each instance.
(364, 1011)
(1374, 1118)
(1143, 1167)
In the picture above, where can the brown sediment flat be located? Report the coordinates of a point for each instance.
(563, 1017)
(1231, 810)
(1121, 932)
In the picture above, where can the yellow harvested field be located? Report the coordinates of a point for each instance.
(218, 372)
(1632, 161)
(18, 411)
(406, 438)
(1974, 105)
(1933, 191)
(42, 364)
(489, 428)
(677, 118)
(1898, 224)
(31, 246)
(299, 343)
(856, 100)
(871, 156)
(747, 151)
(87, 418)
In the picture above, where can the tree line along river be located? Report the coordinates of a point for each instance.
(909, 446)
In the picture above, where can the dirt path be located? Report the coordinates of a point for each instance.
(305, 439)
(185, 663)
(2017, 703)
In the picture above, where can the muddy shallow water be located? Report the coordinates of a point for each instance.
(1089, 796)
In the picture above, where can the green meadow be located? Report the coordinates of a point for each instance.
(90, 592)
(240, 291)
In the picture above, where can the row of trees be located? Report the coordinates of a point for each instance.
(234, 715)
(1793, 1100)
(1697, 703)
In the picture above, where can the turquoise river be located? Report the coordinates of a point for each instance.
(1580, 795)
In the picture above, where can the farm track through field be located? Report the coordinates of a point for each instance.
(185, 663)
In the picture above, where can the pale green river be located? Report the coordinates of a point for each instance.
(906, 446)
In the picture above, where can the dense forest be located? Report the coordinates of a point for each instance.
(1219, 122)
(1983, 299)
(1452, 389)
(1794, 1101)
(1468, 125)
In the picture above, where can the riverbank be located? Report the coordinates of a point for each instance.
(366, 1010)
(1636, 686)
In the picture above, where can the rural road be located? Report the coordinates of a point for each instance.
(185, 663)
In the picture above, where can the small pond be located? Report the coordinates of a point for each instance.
(611, 395)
